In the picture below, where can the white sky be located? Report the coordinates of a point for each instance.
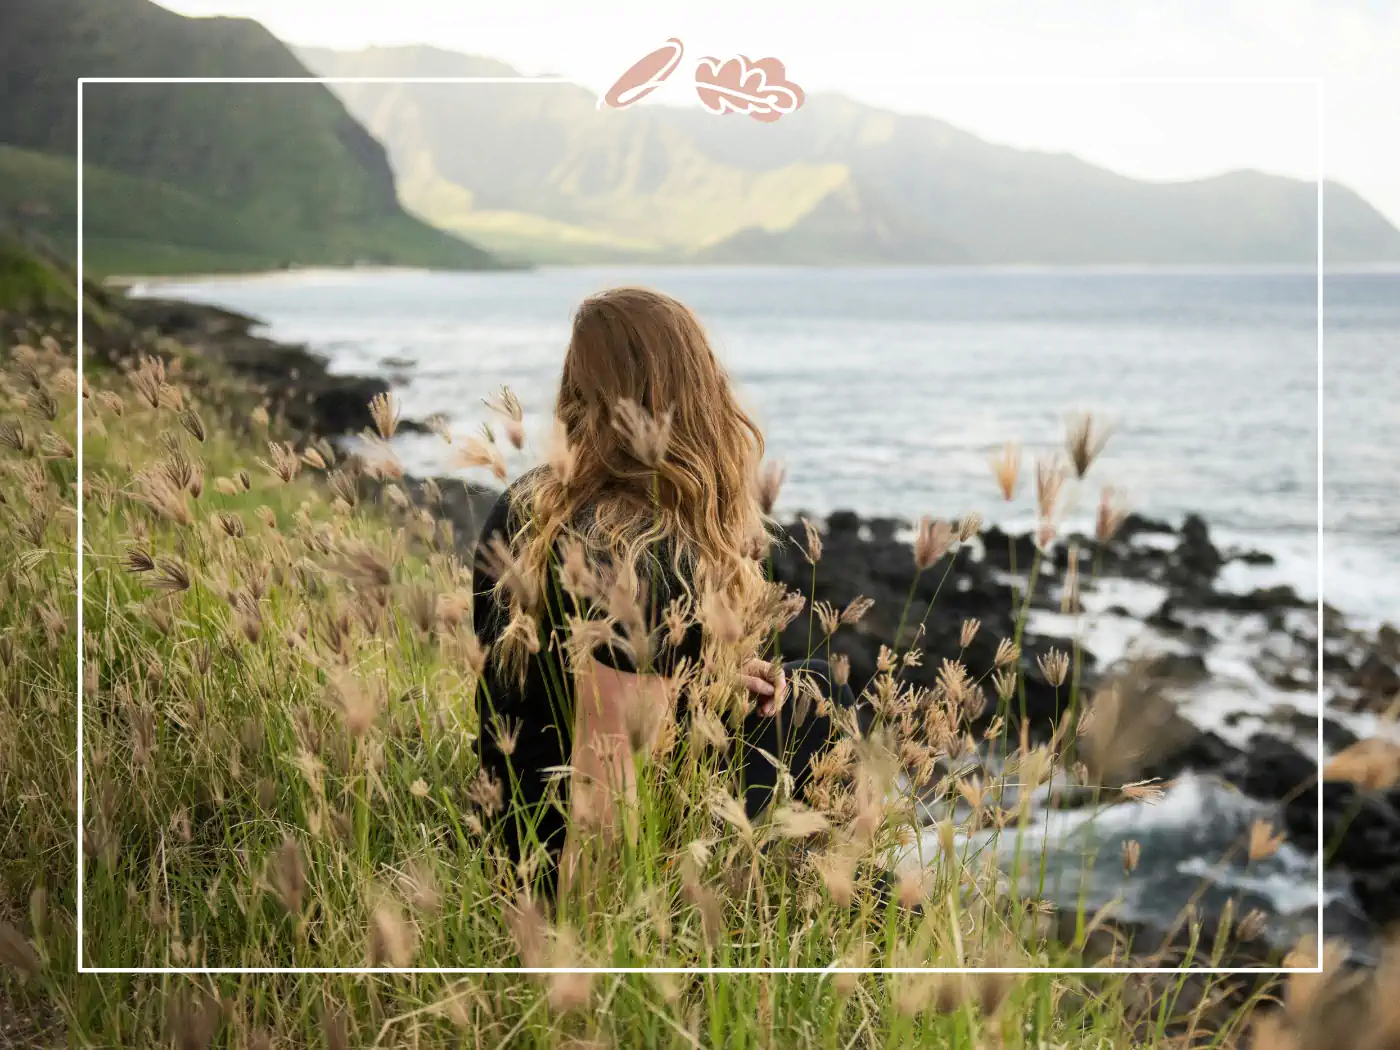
(863, 49)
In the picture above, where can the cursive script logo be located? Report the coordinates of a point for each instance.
(741, 85)
(759, 88)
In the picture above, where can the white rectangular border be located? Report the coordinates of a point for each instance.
(1318, 84)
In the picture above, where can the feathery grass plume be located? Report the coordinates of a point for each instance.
(1006, 468)
(343, 485)
(856, 609)
(1069, 590)
(359, 706)
(282, 461)
(1111, 515)
(287, 875)
(420, 884)
(505, 404)
(970, 627)
(312, 457)
(969, 527)
(500, 561)
(231, 524)
(170, 575)
(729, 810)
(1049, 479)
(164, 499)
(677, 619)
(335, 1026)
(149, 380)
(192, 1018)
(1148, 791)
(529, 929)
(177, 467)
(111, 401)
(363, 565)
(768, 483)
(840, 669)
(1132, 853)
(392, 938)
(941, 993)
(912, 888)
(486, 793)
(569, 991)
(51, 446)
(420, 603)
(813, 542)
(796, 821)
(439, 424)
(647, 436)
(476, 453)
(1263, 843)
(828, 616)
(384, 411)
(16, 953)
(1083, 441)
(718, 616)
(932, 542)
(505, 732)
(191, 421)
(267, 516)
(12, 435)
(837, 868)
(1008, 652)
(245, 480)
(33, 526)
(138, 559)
(1054, 665)
(1252, 925)
(704, 899)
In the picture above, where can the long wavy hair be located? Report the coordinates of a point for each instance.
(658, 455)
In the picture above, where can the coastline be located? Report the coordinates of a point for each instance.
(1385, 268)
(1266, 756)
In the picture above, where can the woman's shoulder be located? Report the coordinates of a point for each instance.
(506, 514)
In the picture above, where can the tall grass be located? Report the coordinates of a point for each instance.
(280, 771)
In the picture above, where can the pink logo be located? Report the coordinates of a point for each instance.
(734, 85)
(645, 75)
(741, 85)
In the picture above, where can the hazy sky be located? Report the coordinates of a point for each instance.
(879, 51)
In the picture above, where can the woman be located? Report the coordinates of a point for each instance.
(608, 582)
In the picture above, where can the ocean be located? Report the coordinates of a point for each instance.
(886, 390)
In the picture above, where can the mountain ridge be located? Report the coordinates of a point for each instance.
(839, 181)
(282, 173)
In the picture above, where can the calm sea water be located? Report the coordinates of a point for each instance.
(885, 390)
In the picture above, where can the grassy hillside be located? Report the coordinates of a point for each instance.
(206, 175)
(541, 169)
(139, 225)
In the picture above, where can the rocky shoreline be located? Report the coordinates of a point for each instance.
(1265, 755)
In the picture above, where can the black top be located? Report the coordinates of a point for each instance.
(541, 706)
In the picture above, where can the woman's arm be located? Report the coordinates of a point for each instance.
(615, 712)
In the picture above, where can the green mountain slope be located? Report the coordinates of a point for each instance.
(539, 169)
(235, 175)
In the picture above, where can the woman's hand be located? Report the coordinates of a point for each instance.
(767, 682)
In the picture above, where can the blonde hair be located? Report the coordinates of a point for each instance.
(656, 449)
